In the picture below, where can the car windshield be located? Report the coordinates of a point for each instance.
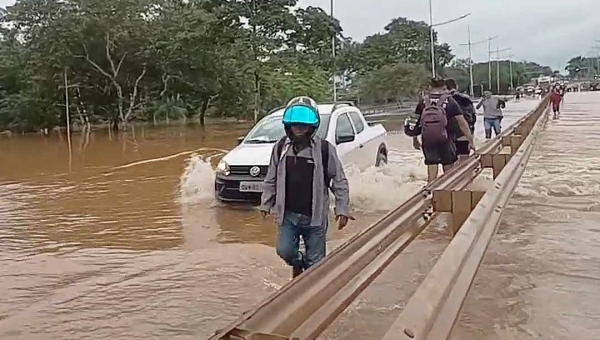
(270, 130)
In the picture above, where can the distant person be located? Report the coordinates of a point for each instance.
(555, 99)
(302, 170)
(466, 104)
(439, 120)
(492, 114)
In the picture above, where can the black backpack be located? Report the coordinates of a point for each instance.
(466, 104)
(324, 158)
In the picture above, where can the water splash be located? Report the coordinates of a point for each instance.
(197, 181)
(384, 188)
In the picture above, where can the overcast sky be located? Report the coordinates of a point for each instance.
(546, 31)
(549, 32)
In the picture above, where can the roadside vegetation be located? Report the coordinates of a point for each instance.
(163, 60)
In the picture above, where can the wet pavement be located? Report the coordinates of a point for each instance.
(541, 275)
(121, 237)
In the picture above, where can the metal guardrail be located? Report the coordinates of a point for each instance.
(305, 307)
(388, 108)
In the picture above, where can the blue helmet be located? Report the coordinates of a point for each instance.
(301, 110)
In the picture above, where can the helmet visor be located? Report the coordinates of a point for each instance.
(300, 114)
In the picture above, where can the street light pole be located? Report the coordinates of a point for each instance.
(431, 26)
(432, 40)
(333, 55)
(470, 62)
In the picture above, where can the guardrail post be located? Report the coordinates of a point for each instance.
(495, 161)
(459, 203)
(513, 141)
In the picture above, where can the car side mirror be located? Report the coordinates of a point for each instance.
(344, 139)
(240, 139)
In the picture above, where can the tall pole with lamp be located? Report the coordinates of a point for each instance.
(432, 40)
(431, 26)
(333, 56)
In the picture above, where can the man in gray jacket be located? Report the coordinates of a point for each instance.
(492, 113)
(302, 170)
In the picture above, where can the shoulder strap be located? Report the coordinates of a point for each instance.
(442, 100)
(280, 145)
(324, 158)
(325, 162)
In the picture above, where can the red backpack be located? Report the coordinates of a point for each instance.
(434, 121)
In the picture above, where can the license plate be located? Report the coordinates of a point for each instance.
(251, 186)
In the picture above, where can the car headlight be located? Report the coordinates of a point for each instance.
(223, 168)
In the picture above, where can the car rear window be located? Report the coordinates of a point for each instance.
(358, 124)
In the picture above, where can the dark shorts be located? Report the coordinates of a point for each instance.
(444, 154)
(555, 107)
(462, 147)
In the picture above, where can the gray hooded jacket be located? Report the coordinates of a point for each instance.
(273, 196)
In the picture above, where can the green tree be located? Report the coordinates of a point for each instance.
(396, 82)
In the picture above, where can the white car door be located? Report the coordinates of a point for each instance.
(347, 151)
(366, 143)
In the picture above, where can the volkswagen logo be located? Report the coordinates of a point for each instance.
(254, 171)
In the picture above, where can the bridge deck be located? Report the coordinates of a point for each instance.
(541, 275)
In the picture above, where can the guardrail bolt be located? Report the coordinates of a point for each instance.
(409, 333)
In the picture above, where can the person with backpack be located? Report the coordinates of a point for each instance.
(492, 113)
(302, 170)
(466, 104)
(440, 119)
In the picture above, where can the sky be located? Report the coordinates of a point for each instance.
(549, 32)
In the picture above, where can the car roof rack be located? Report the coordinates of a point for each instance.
(336, 106)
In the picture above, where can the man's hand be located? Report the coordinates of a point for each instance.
(264, 213)
(416, 144)
(343, 221)
(472, 147)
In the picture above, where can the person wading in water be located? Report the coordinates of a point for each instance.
(302, 170)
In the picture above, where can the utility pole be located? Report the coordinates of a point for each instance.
(498, 50)
(512, 85)
(490, 64)
(333, 55)
(471, 44)
(498, 68)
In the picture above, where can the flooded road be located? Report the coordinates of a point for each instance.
(121, 237)
(541, 276)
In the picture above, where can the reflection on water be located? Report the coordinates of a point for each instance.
(124, 240)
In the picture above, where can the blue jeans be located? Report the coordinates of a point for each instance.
(489, 123)
(291, 229)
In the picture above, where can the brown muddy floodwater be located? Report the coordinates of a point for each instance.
(121, 238)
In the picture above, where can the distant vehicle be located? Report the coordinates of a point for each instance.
(240, 174)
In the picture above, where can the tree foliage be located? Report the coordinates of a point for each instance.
(395, 82)
(522, 73)
(160, 60)
(583, 67)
